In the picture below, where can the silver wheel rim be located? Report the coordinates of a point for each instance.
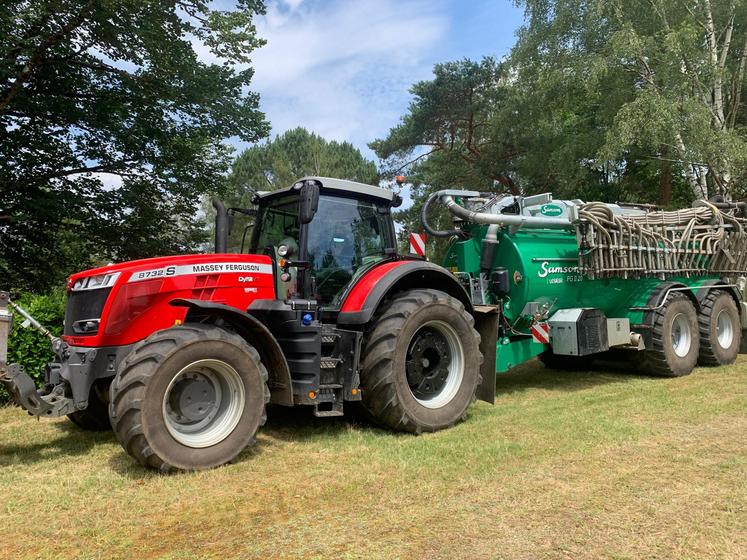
(454, 368)
(682, 338)
(203, 403)
(724, 329)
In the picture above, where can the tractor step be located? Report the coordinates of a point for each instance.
(329, 363)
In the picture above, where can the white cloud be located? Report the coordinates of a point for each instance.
(341, 68)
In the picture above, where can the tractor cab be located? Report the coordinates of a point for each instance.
(323, 233)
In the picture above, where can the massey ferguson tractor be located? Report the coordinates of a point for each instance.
(180, 355)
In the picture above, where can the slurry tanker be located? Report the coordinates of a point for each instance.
(180, 355)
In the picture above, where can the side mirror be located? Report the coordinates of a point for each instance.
(308, 202)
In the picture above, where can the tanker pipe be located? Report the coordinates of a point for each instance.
(513, 220)
(436, 232)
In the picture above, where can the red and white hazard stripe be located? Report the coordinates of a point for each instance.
(541, 333)
(417, 244)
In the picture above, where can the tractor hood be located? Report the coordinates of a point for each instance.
(123, 303)
(164, 267)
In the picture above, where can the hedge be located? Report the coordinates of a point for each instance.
(26, 345)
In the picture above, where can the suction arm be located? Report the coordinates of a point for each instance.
(513, 220)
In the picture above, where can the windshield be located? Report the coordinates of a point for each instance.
(344, 236)
(277, 224)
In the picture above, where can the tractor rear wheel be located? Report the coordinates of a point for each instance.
(421, 363)
(720, 329)
(675, 339)
(190, 397)
(95, 417)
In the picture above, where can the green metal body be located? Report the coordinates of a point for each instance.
(543, 267)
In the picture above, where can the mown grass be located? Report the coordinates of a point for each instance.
(565, 465)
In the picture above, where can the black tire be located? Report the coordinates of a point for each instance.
(95, 417)
(566, 363)
(386, 372)
(138, 408)
(666, 358)
(720, 329)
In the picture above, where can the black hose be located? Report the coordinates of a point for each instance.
(436, 232)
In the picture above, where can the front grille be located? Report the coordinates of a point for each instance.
(82, 305)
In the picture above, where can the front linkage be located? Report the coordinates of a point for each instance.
(51, 401)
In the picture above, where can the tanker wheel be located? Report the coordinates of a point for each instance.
(421, 363)
(675, 339)
(720, 329)
(95, 417)
(190, 397)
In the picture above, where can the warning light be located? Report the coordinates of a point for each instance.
(354, 391)
(400, 179)
(312, 395)
(178, 322)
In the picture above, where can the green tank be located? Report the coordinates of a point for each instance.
(543, 268)
(567, 280)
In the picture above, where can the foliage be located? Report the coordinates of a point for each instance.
(112, 126)
(27, 346)
(643, 79)
(617, 101)
(279, 162)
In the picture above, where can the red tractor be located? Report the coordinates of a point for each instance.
(180, 355)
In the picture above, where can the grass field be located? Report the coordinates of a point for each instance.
(565, 465)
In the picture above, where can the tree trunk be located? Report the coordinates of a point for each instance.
(665, 183)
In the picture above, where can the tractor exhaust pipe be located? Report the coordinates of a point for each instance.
(221, 226)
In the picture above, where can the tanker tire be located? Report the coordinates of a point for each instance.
(712, 352)
(95, 417)
(137, 408)
(661, 359)
(386, 394)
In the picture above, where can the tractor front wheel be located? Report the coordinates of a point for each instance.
(421, 363)
(95, 417)
(187, 398)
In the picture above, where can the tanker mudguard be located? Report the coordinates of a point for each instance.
(255, 333)
(363, 299)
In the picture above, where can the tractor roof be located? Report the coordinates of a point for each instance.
(331, 184)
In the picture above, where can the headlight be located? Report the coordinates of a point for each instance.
(96, 282)
(282, 250)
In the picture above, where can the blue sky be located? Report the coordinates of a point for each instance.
(342, 68)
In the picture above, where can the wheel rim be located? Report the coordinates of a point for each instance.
(724, 329)
(681, 335)
(434, 364)
(203, 403)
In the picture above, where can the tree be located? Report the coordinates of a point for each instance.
(111, 127)
(659, 79)
(279, 162)
(450, 124)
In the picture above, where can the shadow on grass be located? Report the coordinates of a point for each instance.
(72, 442)
(534, 375)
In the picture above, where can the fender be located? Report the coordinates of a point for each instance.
(657, 298)
(706, 288)
(255, 333)
(364, 298)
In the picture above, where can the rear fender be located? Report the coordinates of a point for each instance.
(389, 278)
(255, 333)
